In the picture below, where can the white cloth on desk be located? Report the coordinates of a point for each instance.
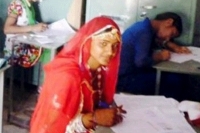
(192, 108)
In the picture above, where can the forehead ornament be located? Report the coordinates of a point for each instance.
(111, 35)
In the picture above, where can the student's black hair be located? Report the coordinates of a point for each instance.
(177, 19)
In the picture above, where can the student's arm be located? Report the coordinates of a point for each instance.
(11, 27)
(177, 48)
(143, 48)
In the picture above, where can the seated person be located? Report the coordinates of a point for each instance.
(79, 85)
(136, 74)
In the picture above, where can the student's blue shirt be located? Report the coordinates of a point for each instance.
(137, 47)
(135, 74)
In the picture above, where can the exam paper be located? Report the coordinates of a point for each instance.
(59, 32)
(58, 28)
(150, 114)
(180, 58)
(44, 40)
(196, 53)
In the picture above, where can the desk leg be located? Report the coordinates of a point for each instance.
(10, 90)
(158, 77)
(1, 99)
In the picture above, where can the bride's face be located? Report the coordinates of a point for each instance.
(104, 47)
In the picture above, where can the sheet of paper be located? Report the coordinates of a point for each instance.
(58, 28)
(196, 53)
(44, 40)
(197, 59)
(141, 101)
(57, 31)
(147, 120)
(195, 50)
(150, 114)
(180, 58)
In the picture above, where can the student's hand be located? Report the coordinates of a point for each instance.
(39, 27)
(109, 117)
(182, 49)
(165, 55)
(162, 55)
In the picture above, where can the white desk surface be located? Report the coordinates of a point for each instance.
(189, 67)
(58, 41)
(53, 46)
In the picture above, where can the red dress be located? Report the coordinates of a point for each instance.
(67, 82)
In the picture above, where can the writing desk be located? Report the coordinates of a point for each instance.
(189, 67)
(53, 46)
(2, 70)
(30, 38)
(149, 114)
(108, 130)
